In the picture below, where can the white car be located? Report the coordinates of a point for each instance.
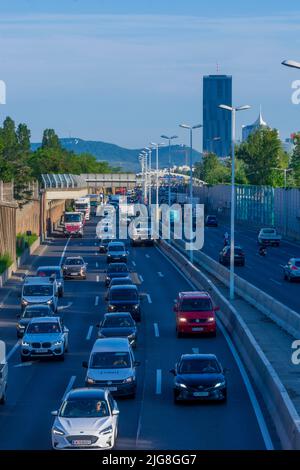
(87, 419)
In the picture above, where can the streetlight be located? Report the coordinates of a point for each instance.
(156, 146)
(149, 150)
(143, 162)
(145, 156)
(169, 139)
(291, 63)
(233, 111)
(191, 128)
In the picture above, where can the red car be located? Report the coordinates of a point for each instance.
(195, 314)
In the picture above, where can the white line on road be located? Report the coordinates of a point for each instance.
(95, 244)
(156, 330)
(195, 350)
(147, 256)
(96, 300)
(158, 382)
(63, 307)
(24, 364)
(160, 274)
(134, 263)
(64, 251)
(149, 298)
(141, 278)
(97, 265)
(97, 278)
(276, 282)
(89, 333)
(12, 351)
(69, 386)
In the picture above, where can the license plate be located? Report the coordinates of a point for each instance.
(112, 389)
(197, 329)
(41, 350)
(201, 394)
(74, 274)
(81, 442)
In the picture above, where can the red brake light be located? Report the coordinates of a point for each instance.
(294, 268)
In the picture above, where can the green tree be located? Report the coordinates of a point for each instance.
(50, 139)
(295, 161)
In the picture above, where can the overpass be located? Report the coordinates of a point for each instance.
(109, 182)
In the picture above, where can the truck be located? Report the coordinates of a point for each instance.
(73, 224)
(3, 373)
(83, 205)
(268, 237)
(94, 202)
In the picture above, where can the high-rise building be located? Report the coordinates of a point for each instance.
(217, 89)
(251, 128)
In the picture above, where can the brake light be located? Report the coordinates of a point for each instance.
(294, 268)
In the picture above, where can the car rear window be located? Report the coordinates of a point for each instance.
(49, 272)
(195, 305)
(114, 268)
(123, 294)
(199, 366)
(74, 262)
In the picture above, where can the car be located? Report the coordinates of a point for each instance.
(116, 270)
(239, 256)
(142, 234)
(87, 419)
(211, 221)
(116, 252)
(268, 237)
(195, 314)
(112, 365)
(45, 337)
(103, 244)
(120, 281)
(120, 325)
(74, 267)
(39, 290)
(199, 377)
(32, 311)
(125, 299)
(292, 270)
(3, 375)
(50, 271)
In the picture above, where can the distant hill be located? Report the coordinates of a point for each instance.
(126, 159)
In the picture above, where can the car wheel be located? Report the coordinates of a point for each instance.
(214, 334)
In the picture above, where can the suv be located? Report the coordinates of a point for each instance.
(195, 314)
(112, 366)
(53, 271)
(39, 290)
(74, 266)
(45, 337)
(32, 311)
(116, 251)
(125, 299)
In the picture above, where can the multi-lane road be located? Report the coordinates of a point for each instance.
(151, 420)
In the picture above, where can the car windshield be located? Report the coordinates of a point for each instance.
(36, 312)
(199, 366)
(115, 321)
(116, 248)
(72, 217)
(84, 408)
(49, 272)
(117, 268)
(123, 294)
(268, 230)
(196, 305)
(110, 360)
(38, 328)
(38, 291)
(74, 262)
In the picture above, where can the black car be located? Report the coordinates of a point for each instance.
(120, 281)
(239, 256)
(32, 311)
(103, 244)
(211, 221)
(116, 270)
(118, 325)
(116, 252)
(125, 299)
(199, 377)
(74, 267)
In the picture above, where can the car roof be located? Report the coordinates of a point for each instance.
(38, 280)
(194, 295)
(117, 264)
(123, 287)
(116, 243)
(198, 356)
(123, 280)
(86, 392)
(40, 268)
(74, 257)
(45, 320)
(111, 345)
(117, 314)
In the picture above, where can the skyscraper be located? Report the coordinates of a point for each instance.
(217, 89)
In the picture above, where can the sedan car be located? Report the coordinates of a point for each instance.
(199, 377)
(74, 267)
(211, 221)
(32, 311)
(118, 325)
(45, 337)
(292, 270)
(116, 270)
(87, 419)
(239, 256)
(50, 271)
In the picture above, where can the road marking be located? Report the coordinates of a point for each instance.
(69, 386)
(134, 263)
(13, 350)
(276, 282)
(141, 278)
(89, 333)
(97, 278)
(257, 410)
(64, 251)
(63, 307)
(160, 274)
(24, 364)
(95, 244)
(156, 330)
(149, 298)
(158, 382)
(96, 300)
(195, 350)
(147, 256)
(97, 265)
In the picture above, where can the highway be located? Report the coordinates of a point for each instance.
(265, 273)
(151, 420)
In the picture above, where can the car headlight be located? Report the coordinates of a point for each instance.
(59, 284)
(90, 381)
(58, 432)
(25, 344)
(107, 430)
(24, 302)
(132, 336)
(129, 380)
(180, 385)
(20, 327)
(111, 308)
(49, 302)
(136, 307)
(220, 384)
(182, 320)
(211, 319)
(58, 343)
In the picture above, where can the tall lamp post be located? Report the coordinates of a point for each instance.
(145, 155)
(142, 162)
(156, 146)
(169, 139)
(149, 151)
(233, 111)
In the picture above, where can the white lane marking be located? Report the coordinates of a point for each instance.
(141, 278)
(134, 263)
(147, 256)
(64, 251)
(195, 350)
(63, 307)
(156, 330)
(13, 350)
(89, 333)
(96, 300)
(69, 386)
(160, 274)
(97, 265)
(149, 298)
(24, 364)
(95, 244)
(257, 410)
(158, 382)
(97, 278)
(276, 282)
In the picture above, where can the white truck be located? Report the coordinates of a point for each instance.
(3, 373)
(268, 237)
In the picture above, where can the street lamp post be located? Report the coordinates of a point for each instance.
(156, 146)
(145, 155)
(233, 111)
(149, 150)
(191, 128)
(169, 139)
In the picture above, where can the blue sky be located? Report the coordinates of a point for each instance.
(125, 71)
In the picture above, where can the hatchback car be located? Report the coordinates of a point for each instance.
(292, 270)
(116, 270)
(116, 252)
(32, 311)
(87, 419)
(74, 267)
(239, 256)
(211, 221)
(118, 325)
(125, 299)
(50, 271)
(199, 377)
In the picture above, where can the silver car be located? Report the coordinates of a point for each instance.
(45, 337)
(39, 290)
(87, 419)
(292, 269)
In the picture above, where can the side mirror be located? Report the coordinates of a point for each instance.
(115, 412)
(172, 371)
(216, 309)
(137, 363)
(54, 413)
(85, 365)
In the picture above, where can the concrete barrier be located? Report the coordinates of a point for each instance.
(276, 398)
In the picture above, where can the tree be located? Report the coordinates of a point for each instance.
(50, 139)
(295, 161)
(212, 170)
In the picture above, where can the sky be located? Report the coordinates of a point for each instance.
(126, 71)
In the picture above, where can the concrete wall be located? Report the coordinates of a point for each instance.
(8, 228)
(52, 215)
(28, 218)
